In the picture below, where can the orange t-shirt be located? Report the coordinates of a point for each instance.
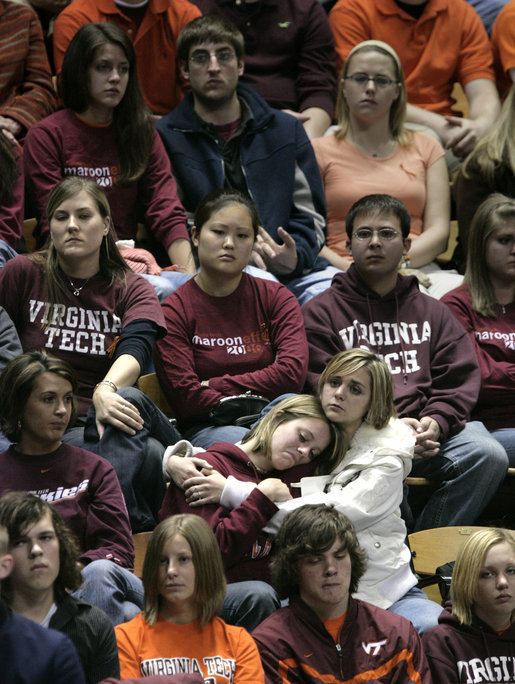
(348, 174)
(221, 653)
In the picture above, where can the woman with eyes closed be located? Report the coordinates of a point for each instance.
(371, 149)
(356, 394)
(475, 638)
(106, 133)
(485, 306)
(178, 634)
(227, 332)
(294, 433)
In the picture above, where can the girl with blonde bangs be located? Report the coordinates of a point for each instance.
(371, 148)
(476, 634)
(178, 630)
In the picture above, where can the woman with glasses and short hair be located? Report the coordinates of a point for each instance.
(372, 151)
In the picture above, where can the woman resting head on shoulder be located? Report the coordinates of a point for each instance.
(365, 483)
(475, 639)
(485, 306)
(178, 630)
(294, 433)
(46, 570)
(228, 333)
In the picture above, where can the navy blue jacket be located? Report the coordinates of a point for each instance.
(31, 654)
(278, 162)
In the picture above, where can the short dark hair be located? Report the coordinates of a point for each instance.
(210, 28)
(308, 531)
(17, 383)
(379, 204)
(218, 199)
(20, 510)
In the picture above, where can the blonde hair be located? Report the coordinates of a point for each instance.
(210, 583)
(298, 406)
(465, 577)
(398, 108)
(498, 145)
(381, 407)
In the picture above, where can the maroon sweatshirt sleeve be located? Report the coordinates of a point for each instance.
(164, 213)
(107, 532)
(42, 153)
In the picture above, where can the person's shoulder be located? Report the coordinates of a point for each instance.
(17, 11)
(460, 294)
(132, 627)
(21, 264)
(384, 620)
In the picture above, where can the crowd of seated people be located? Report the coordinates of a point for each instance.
(198, 216)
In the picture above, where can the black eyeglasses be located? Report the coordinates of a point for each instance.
(363, 79)
(203, 57)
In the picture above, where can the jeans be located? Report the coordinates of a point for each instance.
(246, 604)
(137, 459)
(469, 468)
(4, 443)
(416, 607)
(506, 437)
(167, 282)
(6, 253)
(313, 283)
(116, 590)
(206, 436)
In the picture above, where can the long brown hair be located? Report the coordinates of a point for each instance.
(132, 119)
(112, 265)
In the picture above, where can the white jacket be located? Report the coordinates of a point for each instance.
(367, 487)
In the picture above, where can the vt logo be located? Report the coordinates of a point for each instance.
(283, 24)
(373, 647)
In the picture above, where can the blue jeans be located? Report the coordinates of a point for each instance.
(4, 443)
(246, 604)
(418, 609)
(506, 437)
(167, 282)
(206, 436)
(6, 253)
(116, 590)
(469, 469)
(313, 283)
(137, 459)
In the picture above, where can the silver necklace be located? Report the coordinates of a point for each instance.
(78, 290)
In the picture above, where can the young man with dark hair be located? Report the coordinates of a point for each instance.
(46, 569)
(30, 654)
(324, 634)
(225, 135)
(433, 364)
